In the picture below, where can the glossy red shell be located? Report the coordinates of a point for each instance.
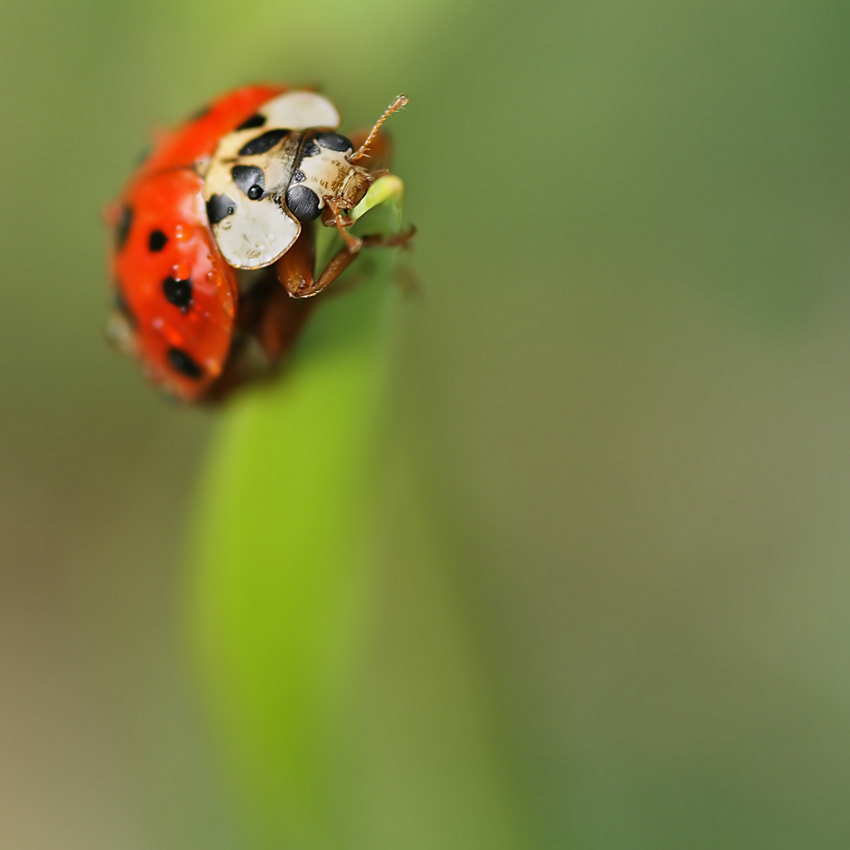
(165, 235)
(170, 202)
(199, 137)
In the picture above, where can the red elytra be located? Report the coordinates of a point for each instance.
(178, 305)
(166, 260)
(182, 349)
(199, 137)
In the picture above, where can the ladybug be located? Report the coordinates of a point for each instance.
(204, 218)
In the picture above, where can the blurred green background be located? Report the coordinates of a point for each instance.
(609, 546)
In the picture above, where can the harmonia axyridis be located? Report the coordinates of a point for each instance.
(236, 188)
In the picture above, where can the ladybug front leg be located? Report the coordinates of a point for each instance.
(294, 272)
(299, 285)
(341, 221)
(340, 262)
(295, 268)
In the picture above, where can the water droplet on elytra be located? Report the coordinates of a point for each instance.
(184, 231)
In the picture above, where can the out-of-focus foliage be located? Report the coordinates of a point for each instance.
(597, 587)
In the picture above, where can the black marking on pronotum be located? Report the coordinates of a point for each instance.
(333, 142)
(256, 120)
(298, 176)
(262, 143)
(303, 203)
(178, 292)
(123, 227)
(250, 180)
(181, 362)
(309, 148)
(157, 240)
(220, 207)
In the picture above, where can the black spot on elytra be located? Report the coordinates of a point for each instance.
(157, 240)
(303, 203)
(310, 148)
(178, 292)
(256, 120)
(181, 362)
(262, 143)
(220, 207)
(333, 142)
(298, 176)
(250, 180)
(123, 228)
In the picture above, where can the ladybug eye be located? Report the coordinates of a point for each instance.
(250, 180)
(303, 203)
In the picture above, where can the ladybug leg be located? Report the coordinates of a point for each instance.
(392, 241)
(331, 272)
(295, 268)
(342, 222)
(341, 261)
(300, 283)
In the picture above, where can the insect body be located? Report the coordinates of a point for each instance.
(286, 169)
(234, 189)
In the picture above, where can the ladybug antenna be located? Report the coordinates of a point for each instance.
(401, 100)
